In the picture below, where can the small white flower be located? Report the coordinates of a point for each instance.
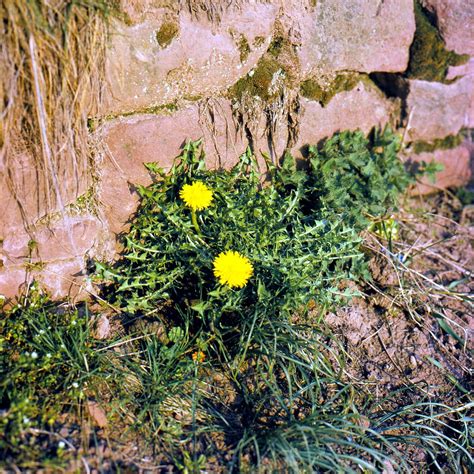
(61, 445)
(48, 355)
(34, 355)
(41, 331)
(75, 384)
(26, 420)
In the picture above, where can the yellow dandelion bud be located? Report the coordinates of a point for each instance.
(198, 357)
(232, 269)
(197, 196)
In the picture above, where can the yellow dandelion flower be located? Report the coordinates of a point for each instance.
(198, 357)
(197, 196)
(232, 269)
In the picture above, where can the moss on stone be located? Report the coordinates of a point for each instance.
(34, 266)
(324, 92)
(244, 48)
(257, 83)
(277, 46)
(429, 58)
(274, 71)
(446, 143)
(85, 203)
(187, 98)
(93, 123)
(167, 32)
(258, 41)
(155, 110)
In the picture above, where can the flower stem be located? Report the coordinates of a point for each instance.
(195, 222)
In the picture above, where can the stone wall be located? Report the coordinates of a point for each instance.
(274, 75)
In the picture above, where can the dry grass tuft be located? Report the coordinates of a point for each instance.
(51, 65)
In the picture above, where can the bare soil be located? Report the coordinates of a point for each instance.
(414, 324)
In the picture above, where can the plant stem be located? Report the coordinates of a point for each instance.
(193, 408)
(195, 222)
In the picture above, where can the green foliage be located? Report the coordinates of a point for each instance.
(356, 179)
(430, 169)
(465, 195)
(429, 59)
(300, 231)
(200, 365)
(45, 356)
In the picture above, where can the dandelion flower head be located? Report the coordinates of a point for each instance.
(232, 269)
(197, 196)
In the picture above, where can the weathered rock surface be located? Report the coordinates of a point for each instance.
(197, 58)
(455, 20)
(29, 239)
(457, 172)
(53, 253)
(436, 110)
(361, 108)
(70, 236)
(12, 280)
(28, 189)
(65, 277)
(166, 56)
(466, 71)
(355, 35)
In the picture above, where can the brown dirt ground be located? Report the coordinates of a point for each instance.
(399, 332)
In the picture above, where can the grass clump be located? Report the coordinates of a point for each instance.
(429, 58)
(52, 62)
(46, 363)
